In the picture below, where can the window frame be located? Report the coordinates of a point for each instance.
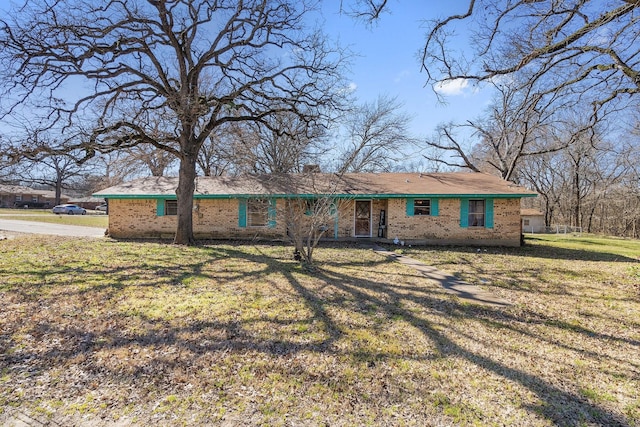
(419, 209)
(254, 210)
(170, 207)
(477, 218)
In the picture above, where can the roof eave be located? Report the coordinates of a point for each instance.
(311, 196)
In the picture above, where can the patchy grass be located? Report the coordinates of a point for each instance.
(105, 332)
(597, 245)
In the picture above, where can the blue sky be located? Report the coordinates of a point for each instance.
(388, 61)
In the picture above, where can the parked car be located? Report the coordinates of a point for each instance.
(69, 209)
(102, 207)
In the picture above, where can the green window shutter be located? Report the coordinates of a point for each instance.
(242, 213)
(435, 208)
(410, 207)
(333, 209)
(271, 214)
(160, 207)
(488, 213)
(464, 213)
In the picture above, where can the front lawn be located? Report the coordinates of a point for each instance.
(103, 332)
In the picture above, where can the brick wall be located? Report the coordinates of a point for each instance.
(218, 218)
(445, 228)
(212, 218)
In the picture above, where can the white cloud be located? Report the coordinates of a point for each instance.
(351, 87)
(452, 87)
(401, 76)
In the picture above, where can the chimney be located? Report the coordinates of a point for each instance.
(311, 169)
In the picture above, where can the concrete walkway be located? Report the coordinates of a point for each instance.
(451, 284)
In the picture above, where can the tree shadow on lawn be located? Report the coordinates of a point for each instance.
(536, 251)
(558, 405)
(597, 252)
(83, 338)
(509, 277)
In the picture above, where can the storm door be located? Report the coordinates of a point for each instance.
(363, 218)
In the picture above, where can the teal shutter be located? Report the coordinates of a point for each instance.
(271, 214)
(333, 209)
(160, 207)
(488, 213)
(435, 208)
(242, 213)
(464, 213)
(410, 206)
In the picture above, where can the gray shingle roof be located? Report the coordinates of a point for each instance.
(358, 184)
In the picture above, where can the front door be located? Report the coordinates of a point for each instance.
(363, 218)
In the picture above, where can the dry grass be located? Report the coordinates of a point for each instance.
(99, 332)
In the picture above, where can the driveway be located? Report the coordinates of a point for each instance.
(32, 227)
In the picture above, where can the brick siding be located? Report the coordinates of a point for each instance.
(218, 218)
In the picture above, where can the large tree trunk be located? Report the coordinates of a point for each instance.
(186, 187)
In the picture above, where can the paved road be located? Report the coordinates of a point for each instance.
(14, 225)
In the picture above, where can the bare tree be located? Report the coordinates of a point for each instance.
(518, 123)
(311, 217)
(284, 146)
(155, 160)
(591, 49)
(367, 11)
(308, 220)
(196, 64)
(378, 133)
(54, 170)
(588, 184)
(7, 163)
(216, 156)
(543, 173)
(109, 169)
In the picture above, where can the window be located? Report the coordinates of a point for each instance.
(257, 212)
(526, 222)
(171, 207)
(422, 207)
(476, 213)
(34, 199)
(310, 206)
(18, 197)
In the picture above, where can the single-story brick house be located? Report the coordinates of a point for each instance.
(18, 196)
(439, 208)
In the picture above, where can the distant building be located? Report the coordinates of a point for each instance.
(87, 202)
(17, 196)
(532, 221)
